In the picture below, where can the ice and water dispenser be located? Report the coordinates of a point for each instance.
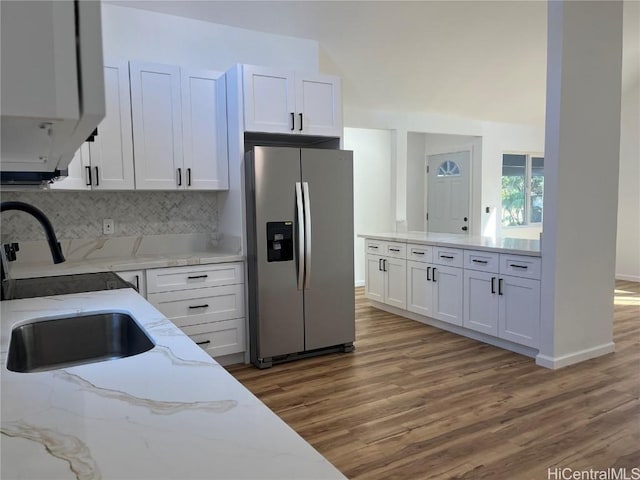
(279, 241)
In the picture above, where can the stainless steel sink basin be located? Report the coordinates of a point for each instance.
(63, 342)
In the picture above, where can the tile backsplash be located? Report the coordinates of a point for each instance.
(79, 215)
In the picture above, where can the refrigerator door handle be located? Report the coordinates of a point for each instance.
(300, 221)
(307, 235)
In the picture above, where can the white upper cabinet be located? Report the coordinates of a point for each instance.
(204, 126)
(106, 162)
(157, 126)
(281, 101)
(179, 127)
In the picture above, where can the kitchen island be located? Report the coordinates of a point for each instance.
(171, 412)
(484, 288)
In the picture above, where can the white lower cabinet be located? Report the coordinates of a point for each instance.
(137, 279)
(489, 292)
(447, 294)
(386, 280)
(205, 302)
(419, 288)
(519, 311)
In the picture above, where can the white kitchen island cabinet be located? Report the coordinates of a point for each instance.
(386, 272)
(491, 294)
(284, 101)
(179, 128)
(106, 161)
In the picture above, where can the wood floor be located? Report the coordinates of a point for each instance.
(414, 402)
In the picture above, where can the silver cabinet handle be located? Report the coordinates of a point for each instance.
(307, 235)
(300, 212)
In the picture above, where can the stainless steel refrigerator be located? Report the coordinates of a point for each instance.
(300, 252)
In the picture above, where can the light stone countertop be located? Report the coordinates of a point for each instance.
(120, 254)
(518, 246)
(172, 412)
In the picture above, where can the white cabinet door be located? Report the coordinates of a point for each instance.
(157, 126)
(137, 279)
(112, 149)
(448, 294)
(374, 278)
(318, 105)
(419, 288)
(481, 301)
(395, 286)
(519, 310)
(77, 175)
(204, 123)
(269, 100)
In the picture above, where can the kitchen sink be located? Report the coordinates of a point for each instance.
(50, 344)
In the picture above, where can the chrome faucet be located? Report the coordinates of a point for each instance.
(54, 245)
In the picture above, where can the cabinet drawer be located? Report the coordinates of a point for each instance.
(520, 266)
(448, 256)
(220, 338)
(200, 305)
(374, 247)
(185, 278)
(482, 261)
(420, 253)
(395, 249)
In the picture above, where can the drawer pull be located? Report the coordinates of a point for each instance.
(197, 276)
(484, 262)
(524, 267)
(192, 307)
(373, 246)
(417, 253)
(394, 249)
(450, 257)
(204, 342)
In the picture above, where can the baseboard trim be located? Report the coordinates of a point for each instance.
(360, 283)
(628, 278)
(576, 357)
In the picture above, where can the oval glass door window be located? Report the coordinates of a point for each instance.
(448, 168)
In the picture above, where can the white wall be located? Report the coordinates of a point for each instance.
(372, 187)
(134, 34)
(416, 188)
(628, 240)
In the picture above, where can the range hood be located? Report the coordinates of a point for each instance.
(52, 95)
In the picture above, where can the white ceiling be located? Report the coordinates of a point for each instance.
(476, 59)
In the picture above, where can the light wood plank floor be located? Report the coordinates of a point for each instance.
(414, 402)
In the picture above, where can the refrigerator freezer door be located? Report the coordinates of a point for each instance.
(279, 302)
(329, 300)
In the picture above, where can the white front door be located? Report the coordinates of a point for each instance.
(448, 192)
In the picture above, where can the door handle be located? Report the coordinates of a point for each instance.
(88, 170)
(380, 264)
(493, 284)
(384, 264)
(189, 177)
(97, 177)
(179, 177)
(434, 274)
(307, 234)
(293, 121)
(500, 287)
(300, 122)
(300, 212)
(428, 274)
(464, 229)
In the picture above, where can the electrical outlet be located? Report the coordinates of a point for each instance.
(108, 226)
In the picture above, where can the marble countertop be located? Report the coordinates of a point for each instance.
(121, 264)
(172, 412)
(519, 246)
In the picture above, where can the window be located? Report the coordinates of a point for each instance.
(448, 169)
(522, 189)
